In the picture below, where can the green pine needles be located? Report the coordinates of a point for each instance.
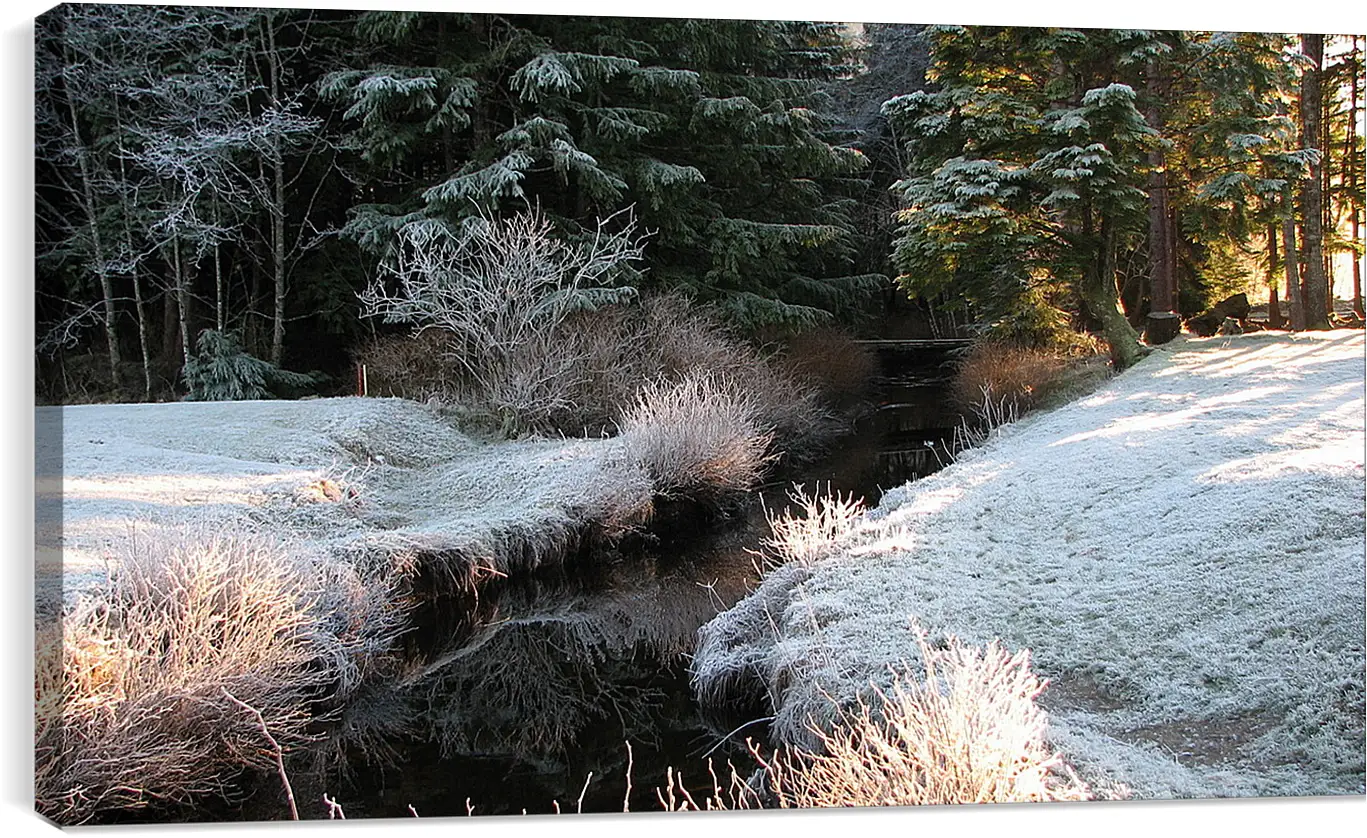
(221, 370)
(713, 130)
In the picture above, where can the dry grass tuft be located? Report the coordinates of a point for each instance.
(965, 730)
(697, 437)
(812, 535)
(140, 691)
(1013, 379)
(842, 370)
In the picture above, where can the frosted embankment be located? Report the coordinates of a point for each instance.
(355, 477)
(1182, 552)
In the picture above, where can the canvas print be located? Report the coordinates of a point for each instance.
(462, 414)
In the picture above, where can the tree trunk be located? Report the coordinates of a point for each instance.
(220, 302)
(1163, 323)
(96, 243)
(1099, 295)
(1294, 311)
(1274, 309)
(139, 304)
(182, 301)
(1315, 299)
(1353, 161)
(277, 203)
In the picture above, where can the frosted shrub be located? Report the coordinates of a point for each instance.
(497, 285)
(148, 695)
(965, 729)
(696, 437)
(812, 535)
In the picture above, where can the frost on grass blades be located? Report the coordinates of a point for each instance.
(1188, 651)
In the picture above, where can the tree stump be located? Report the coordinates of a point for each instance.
(1161, 327)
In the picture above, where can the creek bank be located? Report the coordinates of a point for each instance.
(483, 551)
(1129, 540)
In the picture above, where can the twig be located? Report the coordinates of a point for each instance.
(335, 812)
(579, 805)
(626, 799)
(415, 811)
(275, 747)
(727, 737)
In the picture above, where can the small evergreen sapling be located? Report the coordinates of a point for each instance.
(222, 371)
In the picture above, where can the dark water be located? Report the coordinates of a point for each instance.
(532, 704)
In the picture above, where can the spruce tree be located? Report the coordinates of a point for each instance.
(1046, 161)
(711, 129)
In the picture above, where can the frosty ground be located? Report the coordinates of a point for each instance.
(353, 477)
(1182, 552)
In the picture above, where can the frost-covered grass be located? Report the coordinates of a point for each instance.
(268, 549)
(964, 729)
(812, 534)
(1181, 552)
(698, 436)
(412, 486)
(198, 661)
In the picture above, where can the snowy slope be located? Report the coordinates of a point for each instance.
(1182, 552)
(354, 476)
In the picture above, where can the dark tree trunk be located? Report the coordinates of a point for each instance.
(139, 304)
(1294, 310)
(1354, 163)
(1315, 300)
(1162, 324)
(97, 245)
(1274, 309)
(1099, 295)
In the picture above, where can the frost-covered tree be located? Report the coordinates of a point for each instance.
(173, 128)
(1053, 168)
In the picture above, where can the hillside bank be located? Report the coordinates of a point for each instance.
(1181, 552)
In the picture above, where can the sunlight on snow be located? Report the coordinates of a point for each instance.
(1149, 422)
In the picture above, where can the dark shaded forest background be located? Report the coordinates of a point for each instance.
(249, 171)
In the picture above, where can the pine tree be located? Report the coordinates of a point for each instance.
(709, 128)
(221, 371)
(1024, 177)
(1048, 159)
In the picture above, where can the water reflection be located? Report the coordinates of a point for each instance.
(516, 693)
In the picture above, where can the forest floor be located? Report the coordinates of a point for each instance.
(1181, 552)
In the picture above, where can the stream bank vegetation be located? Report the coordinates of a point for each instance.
(996, 549)
(963, 727)
(207, 658)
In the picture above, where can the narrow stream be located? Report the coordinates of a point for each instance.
(534, 707)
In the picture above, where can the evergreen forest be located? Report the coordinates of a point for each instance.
(217, 183)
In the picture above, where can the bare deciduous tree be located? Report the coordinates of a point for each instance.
(499, 285)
